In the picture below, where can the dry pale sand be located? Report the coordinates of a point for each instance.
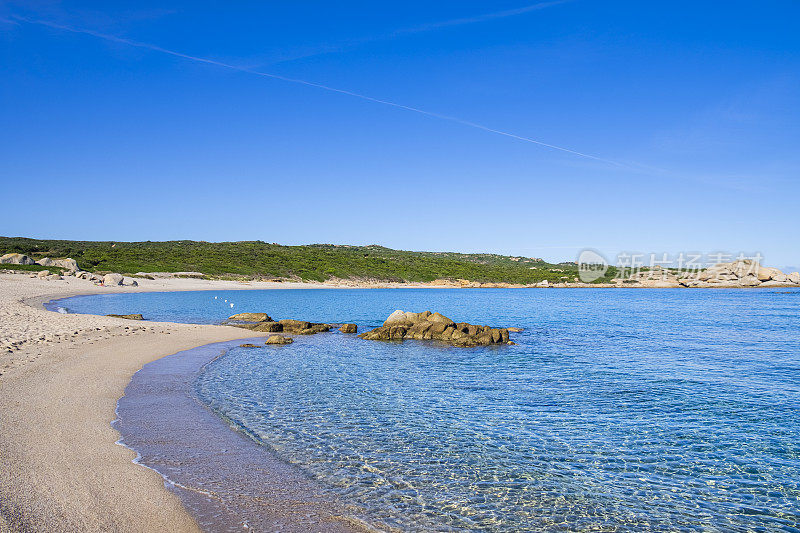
(60, 378)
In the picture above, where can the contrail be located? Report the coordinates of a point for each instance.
(207, 61)
(479, 18)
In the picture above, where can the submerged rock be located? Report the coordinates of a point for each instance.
(136, 316)
(279, 339)
(348, 328)
(248, 345)
(402, 325)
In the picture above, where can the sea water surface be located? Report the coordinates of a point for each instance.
(623, 409)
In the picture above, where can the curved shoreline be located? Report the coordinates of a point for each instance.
(61, 376)
(179, 437)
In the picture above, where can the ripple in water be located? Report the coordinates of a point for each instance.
(618, 409)
(653, 410)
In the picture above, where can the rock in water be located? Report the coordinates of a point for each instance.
(113, 279)
(251, 317)
(136, 316)
(297, 325)
(279, 339)
(301, 327)
(266, 327)
(263, 322)
(348, 328)
(248, 345)
(434, 326)
(256, 322)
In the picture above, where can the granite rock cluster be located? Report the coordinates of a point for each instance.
(264, 323)
(735, 274)
(402, 325)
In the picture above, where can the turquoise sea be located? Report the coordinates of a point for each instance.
(617, 410)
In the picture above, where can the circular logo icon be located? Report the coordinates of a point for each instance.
(591, 266)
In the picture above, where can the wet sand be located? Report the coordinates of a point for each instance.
(60, 378)
(247, 485)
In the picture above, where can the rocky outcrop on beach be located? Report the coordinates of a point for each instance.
(402, 325)
(112, 279)
(88, 276)
(16, 259)
(46, 275)
(68, 264)
(735, 274)
(264, 323)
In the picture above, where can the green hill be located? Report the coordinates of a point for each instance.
(317, 262)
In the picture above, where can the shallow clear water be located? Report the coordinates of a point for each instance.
(616, 410)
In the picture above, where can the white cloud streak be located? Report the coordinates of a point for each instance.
(479, 18)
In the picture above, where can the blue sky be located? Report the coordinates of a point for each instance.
(689, 113)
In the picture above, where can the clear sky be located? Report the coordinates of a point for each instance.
(162, 120)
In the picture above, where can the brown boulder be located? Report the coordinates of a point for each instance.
(438, 318)
(265, 327)
(348, 328)
(279, 339)
(299, 325)
(251, 317)
(433, 326)
(302, 327)
(136, 316)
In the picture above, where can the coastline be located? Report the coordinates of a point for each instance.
(249, 486)
(61, 376)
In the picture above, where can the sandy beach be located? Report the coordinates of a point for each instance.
(60, 378)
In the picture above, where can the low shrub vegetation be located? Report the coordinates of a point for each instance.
(317, 262)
